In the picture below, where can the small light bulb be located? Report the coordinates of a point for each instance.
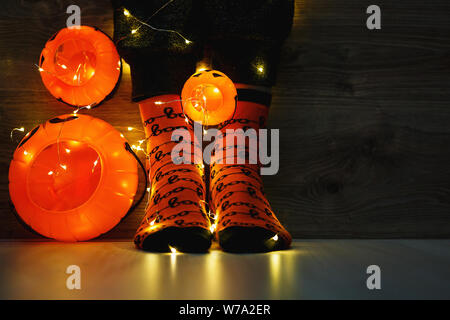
(63, 66)
(21, 129)
(40, 69)
(67, 150)
(186, 120)
(133, 31)
(187, 41)
(25, 152)
(275, 237)
(158, 102)
(148, 189)
(152, 223)
(88, 107)
(130, 128)
(50, 173)
(173, 250)
(75, 77)
(126, 13)
(63, 166)
(213, 228)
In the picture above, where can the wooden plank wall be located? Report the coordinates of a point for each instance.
(364, 116)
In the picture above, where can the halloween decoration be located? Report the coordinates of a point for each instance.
(73, 178)
(80, 66)
(209, 97)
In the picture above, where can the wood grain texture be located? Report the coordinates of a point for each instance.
(363, 115)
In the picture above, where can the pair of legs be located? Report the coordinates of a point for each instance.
(191, 204)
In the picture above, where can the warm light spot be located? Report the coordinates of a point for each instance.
(186, 120)
(75, 77)
(173, 250)
(121, 135)
(152, 223)
(40, 69)
(158, 102)
(216, 90)
(50, 173)
(25, 152)
(213, 228)
(275, 237)
(187, 41)
(63, 66)
(148, 189)
(67, 150)
(63, 166)
(130, 128)
(126, 13)
(133, 31)
(261, 69)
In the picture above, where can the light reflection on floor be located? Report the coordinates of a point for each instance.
(311, 269)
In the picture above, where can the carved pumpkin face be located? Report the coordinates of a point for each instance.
(209, 97)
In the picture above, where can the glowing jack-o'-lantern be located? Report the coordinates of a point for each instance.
(72, 178)
(80, 66)
(209, 97)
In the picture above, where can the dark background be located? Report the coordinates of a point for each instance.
(363, 115)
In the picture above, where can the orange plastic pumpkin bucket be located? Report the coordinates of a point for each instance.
(209, 97)
(80, 66)
(72, 179)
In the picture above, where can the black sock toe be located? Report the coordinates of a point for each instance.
(248, 240)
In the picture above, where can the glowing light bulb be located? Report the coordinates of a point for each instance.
(67, 150)
(21, 129)
(260, 69)
(173, 250)
(50, 173)
(133, 31)
(186, 120)
(275, 237)
(158, 102)
(130, 128)
(75, 77)
(187, 41)
(148, 189)
(40, 69)
(213, 228)
(25, 152)
(63, 66)
(63, 166)
(126, 13)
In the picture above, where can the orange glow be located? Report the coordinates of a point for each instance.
(75, 195)
(80, 66)
(209, 96)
